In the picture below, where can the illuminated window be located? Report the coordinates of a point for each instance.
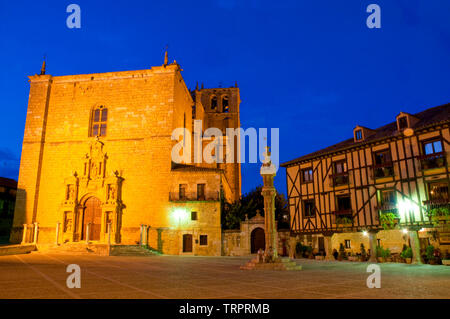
(348, 244)
(438, 191)
(99, 120)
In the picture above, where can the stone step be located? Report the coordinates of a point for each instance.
(16, 249)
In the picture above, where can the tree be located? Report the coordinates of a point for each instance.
(234, 213)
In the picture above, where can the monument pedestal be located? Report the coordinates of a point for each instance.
(278, 264)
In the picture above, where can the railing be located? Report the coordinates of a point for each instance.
(387, 207)
(383, 170)
(431, 161)
(342, 217)
(437, 203)
(209, 196)
(339, 179)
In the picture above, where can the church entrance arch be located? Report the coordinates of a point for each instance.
(258, 240)
(92, 214)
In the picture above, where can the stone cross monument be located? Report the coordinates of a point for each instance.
(268, 172)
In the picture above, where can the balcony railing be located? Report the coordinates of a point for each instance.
(208, 196)
(383, 170)
(344, 216)
(339, 179)
(431, 161)
(436, 203)
(387, 207)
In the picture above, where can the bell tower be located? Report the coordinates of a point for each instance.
(219, 107)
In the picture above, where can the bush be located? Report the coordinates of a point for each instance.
(406, 253)
(363, 251)
(341, 251)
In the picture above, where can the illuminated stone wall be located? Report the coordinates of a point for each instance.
(132, 174)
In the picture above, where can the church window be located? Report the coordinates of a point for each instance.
(99, 121)
(225, 104)
(214, 103)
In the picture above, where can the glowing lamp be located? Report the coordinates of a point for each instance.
(405, 231)
(365, 233)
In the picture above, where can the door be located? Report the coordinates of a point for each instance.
(93, 215)
(258, 240)
(187, 243)
(321, 244)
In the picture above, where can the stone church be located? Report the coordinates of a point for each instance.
(96, 163)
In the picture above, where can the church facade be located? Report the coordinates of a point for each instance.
(96, 163)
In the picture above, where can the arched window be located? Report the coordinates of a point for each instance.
(214, 103)
(225, 104)
(99, 120)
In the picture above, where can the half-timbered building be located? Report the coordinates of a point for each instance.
(389, 184)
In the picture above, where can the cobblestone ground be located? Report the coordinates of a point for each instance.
(40, 275)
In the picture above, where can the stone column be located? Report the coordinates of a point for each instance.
(415, 246)
(24, 235)
(36, 230)
(109, 233)
(58, 225)
(328, 247)
(88, 232)
(268, 172)
(141, 235)
(373, 246)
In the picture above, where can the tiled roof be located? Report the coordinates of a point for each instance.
(192, 168)
(429, 117)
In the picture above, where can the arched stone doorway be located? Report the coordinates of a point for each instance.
(258, 240)
(92, 214)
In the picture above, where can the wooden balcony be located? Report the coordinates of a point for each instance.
(189, 197)
(383, 170)
(339, 179)
(430, 161)
(387, 207)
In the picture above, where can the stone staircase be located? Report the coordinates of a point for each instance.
(97, 249)
(6, 250)
(131, 250)
(75, 249)
(282, 263)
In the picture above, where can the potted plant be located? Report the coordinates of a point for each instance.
(439, 215)
(446, 259)
(407, 254)
(341, 255)
(389, 220)
(379, 251)
(343, 222)
(429, 254)
(363, 256)
(387, 255)
(309, 250)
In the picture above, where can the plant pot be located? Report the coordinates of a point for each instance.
(389, 259)
(446, 262)
(408, 260)
(380, 259)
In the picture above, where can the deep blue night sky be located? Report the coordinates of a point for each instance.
(311, 68)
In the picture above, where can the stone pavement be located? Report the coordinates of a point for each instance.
(43, 275)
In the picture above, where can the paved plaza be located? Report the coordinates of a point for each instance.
(42, 275)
